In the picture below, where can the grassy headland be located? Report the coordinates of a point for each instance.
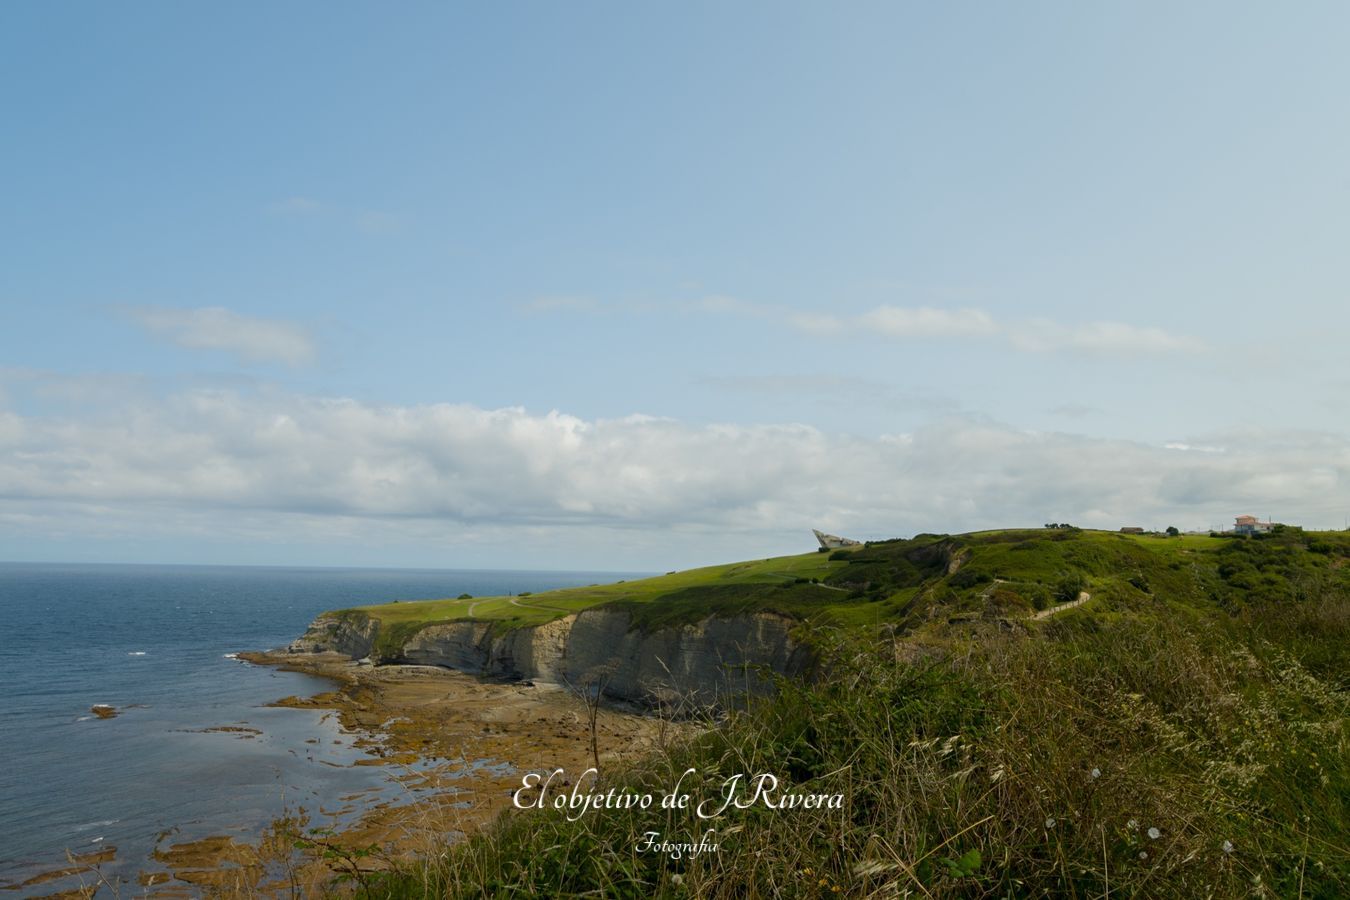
(1183, 733)
(1009, 573)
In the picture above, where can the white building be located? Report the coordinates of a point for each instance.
(1251, 525)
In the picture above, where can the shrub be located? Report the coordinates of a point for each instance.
(965, 578)
(1070, 585)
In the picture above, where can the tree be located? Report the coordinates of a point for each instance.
(591, 690)
(1172, 531)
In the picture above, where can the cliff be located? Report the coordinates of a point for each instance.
(697, 662)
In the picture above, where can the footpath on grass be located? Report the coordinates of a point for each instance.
(1083, 597)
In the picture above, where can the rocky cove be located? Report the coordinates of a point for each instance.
(458, 710)
(697, 663)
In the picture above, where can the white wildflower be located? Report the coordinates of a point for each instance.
(1133, 824)
(1096, 773)
(1050, 823)
(1143, 855)
(1154, 833)
(1227, 847)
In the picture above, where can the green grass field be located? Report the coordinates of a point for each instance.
(535, 609)
(990, 574)
(1185, 733)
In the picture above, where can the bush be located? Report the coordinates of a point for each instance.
(1070, 585)
(965, 578)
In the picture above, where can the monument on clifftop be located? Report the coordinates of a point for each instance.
(834, 541)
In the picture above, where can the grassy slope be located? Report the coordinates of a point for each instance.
(1008, 573)
(535, 609)
(1184, 734)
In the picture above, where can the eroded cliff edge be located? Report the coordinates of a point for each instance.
(699, 662)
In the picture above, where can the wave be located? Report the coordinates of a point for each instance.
(136, 653)
(86, 826)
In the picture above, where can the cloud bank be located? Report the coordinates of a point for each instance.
(278, 459)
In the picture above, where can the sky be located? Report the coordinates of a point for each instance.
(639, 286)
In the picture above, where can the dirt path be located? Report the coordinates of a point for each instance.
(515, 602)
(1083, 597)
(828, 587)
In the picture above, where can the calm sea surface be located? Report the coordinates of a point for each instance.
(153, 641)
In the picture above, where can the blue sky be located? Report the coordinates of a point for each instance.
(607, 286)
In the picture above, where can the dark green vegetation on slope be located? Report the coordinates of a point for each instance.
(908, 583)
(1183, 734)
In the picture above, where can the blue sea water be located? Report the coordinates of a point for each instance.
(153, 641)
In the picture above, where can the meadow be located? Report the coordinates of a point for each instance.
(1181, 734)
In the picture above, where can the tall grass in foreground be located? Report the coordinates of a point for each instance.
(1125, 755)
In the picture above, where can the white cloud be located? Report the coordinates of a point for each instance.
(917, 323)
(1113, 338)
(217, 328)
(272, 461)
(817, 323)
(925, 321)
(1192, 448)
(832, 389)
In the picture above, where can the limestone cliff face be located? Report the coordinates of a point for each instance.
(329, 633)
(697, 663)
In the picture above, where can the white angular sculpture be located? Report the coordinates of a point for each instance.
(834, 541)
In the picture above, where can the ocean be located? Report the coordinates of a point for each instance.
(156, 642)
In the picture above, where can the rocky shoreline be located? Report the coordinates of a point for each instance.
(459, 712)
(457, 744)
